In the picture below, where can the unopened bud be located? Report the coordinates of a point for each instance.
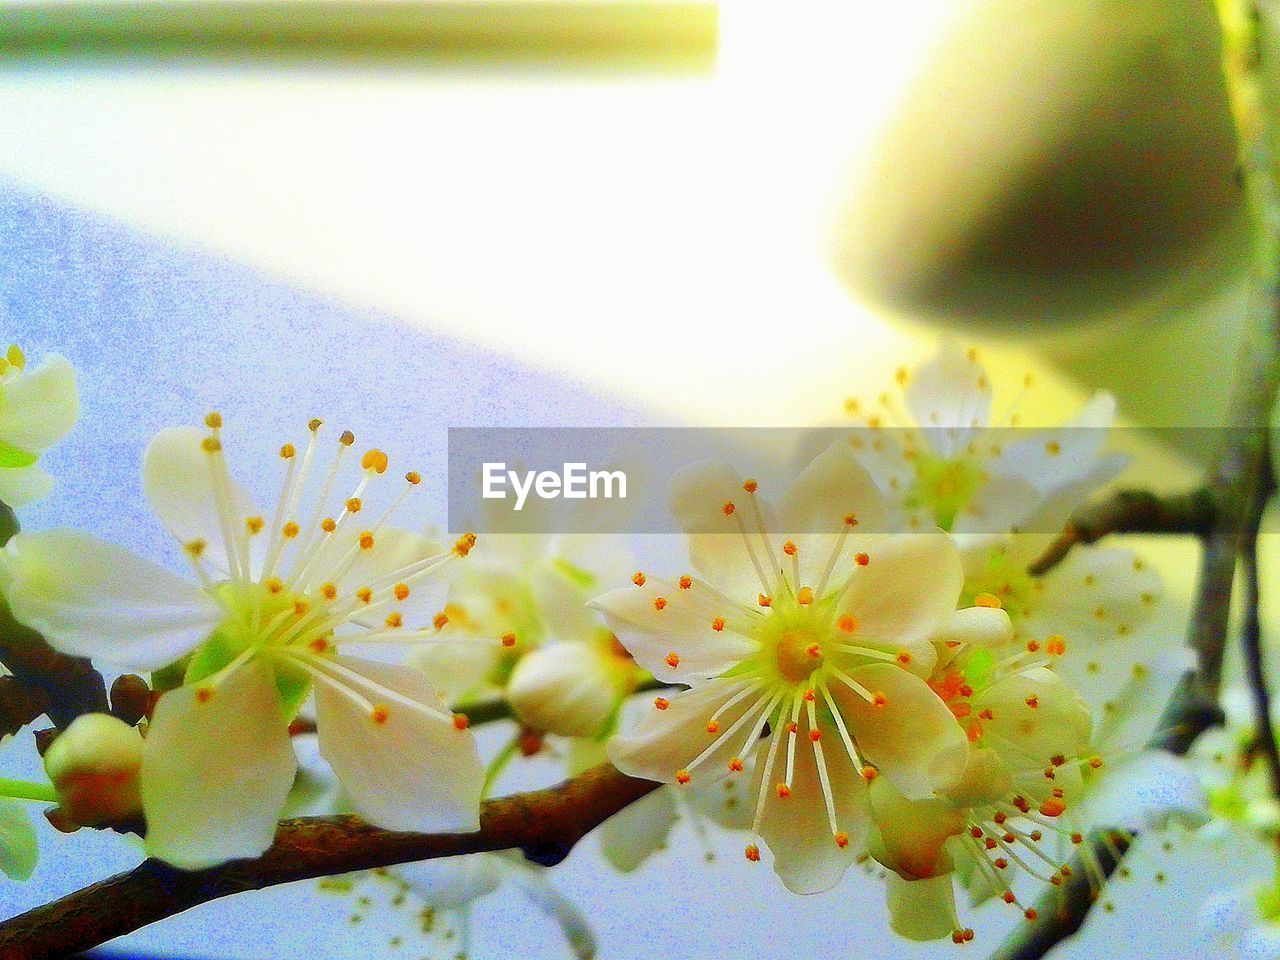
(94, 766)
(567, 688)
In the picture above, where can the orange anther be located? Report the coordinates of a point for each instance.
(1055, 645)
(736, 764)
(713, 727)
(366, 540)
(764, 601)
(379, 715)
(682, 776)
(804, 597)
(461, 721)
(414, 477)
(1052, 807)
(790, 549)
(729, 508)
(659, 603)
(686, 582)
(508, 639)
(439, 620)
(987, 600)
(717, 624)
(753, 853)
(861, 559)
(329, 591)
(661, 703)
(847, 623)
(374, 460)
(364, 594)
(751, 486)
(673, 659)
(638, 579)
(395, 619)
(842, 839)
(783, 791)
(815, 735)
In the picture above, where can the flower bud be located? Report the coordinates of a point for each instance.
(94, 766)
(572, 689)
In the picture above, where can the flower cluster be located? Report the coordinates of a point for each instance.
(869, 668)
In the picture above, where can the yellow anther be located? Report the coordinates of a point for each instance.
(210, 444)
(638, 578)
(15, 356)
(329, 591)
(300, 608)
(374, 460)
(288, 452)
(440, 620)
(328, 525)
(290, 530)
(413, 477)
(401, 591)
(195, 547)
(464, 544)
(395, 619)
(354, 505)
(274, 584)
(364, 594)
(314, 424)
(508, 639)
(366, 540)
(213, 420)
(804, 597)
(989, 600)
(254, 524)
(347, 438)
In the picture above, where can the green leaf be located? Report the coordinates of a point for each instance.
(18, 849)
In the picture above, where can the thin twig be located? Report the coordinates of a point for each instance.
(1131, 511)
(545, 824)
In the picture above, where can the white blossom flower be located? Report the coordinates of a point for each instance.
(812, 652)
(944, 461)
(1041, 776)
(37, 407)
(266, 622)
(95, 766)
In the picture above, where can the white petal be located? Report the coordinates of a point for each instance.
(20, 486)
(813, 511)
(910, 836)
(666, 741)
(543, 894)
(797, 828)
(999, 506)
(1036, 715)
(906, 592)
(655, 620)
(949, 396)
(976, 626)
(921, 909)
(178, 477)
(717, 549)
(1052, 459)
(18, 849)
(1149, 791)
(215, 772)
(456, 669)
(448, 883)
(414, 771)
(91, 598)
(40, 405)
(634, 834)
(912, 738)
(562, 601)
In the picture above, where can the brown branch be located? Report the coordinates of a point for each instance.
(19, 705)
(1132, 511)
(545, 824)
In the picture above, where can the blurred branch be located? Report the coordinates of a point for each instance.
(1132, 511)
(545, 824)
(1251, 641)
